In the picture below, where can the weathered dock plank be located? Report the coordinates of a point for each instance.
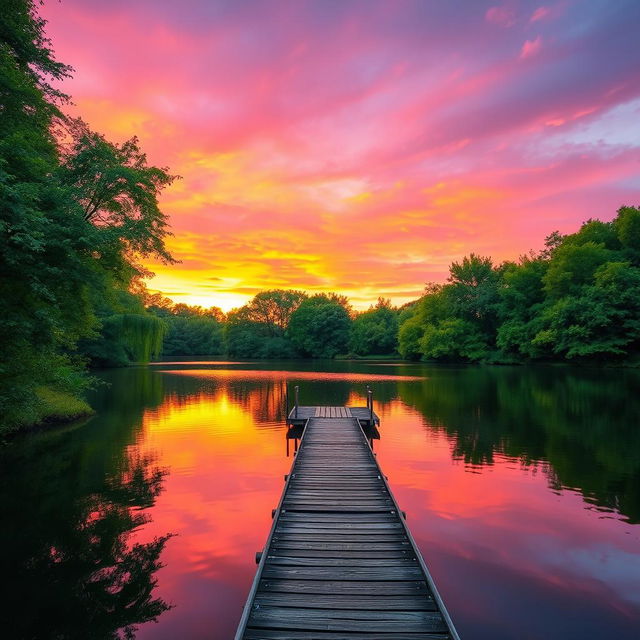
(340, 562)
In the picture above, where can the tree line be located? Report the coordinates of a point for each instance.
(576, 300)
(279, 324)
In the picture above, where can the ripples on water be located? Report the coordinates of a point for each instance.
(521, 485)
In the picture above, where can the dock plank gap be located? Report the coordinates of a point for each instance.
(340, 561)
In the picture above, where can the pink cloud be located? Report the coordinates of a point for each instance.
(503, 16)
(531, 48)
(540, 14)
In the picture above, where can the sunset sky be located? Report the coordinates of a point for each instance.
(360, 146)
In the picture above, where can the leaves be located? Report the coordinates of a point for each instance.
(117, 190)
(319, 328)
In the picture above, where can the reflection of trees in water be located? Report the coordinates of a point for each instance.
(582, 422)
(71, 502)
(578, 426)
(264, 397)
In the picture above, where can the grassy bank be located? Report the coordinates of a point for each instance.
(51, 406)
(59, 406)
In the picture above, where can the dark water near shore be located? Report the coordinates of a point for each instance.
(521, 487)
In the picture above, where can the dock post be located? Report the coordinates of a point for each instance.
(297, 388)
(286, 400)
(370, 405)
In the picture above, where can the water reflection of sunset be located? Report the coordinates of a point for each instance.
(498, 530)
(259, 374)
(499, 516)
(224, 479)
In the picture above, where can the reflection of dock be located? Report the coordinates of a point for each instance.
(339, 561)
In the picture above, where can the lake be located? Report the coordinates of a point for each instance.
(521, 487)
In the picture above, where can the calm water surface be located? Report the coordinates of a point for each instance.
(521, 487)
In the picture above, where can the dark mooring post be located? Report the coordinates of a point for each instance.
(286, 400)
(370, 404)
(297, 390)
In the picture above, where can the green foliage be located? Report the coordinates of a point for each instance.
(627, 226)
(603, 321)
(193, 336)
(117, 190)
(521, 295)
(320, 326)
(190, 330)
(259, 329)
(126, 338)
(458, 320)
(409, 335)
(573, 266)
(453, 339)
(473, 292)
(244, 338)
(64, 261)
(375, 331)
(274, 308)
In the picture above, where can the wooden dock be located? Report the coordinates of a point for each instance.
(340, 562)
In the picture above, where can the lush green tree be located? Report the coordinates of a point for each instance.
(117, 193)
(595, 231)
(375, 331)
(573, 266)
(117, 190)
(521, 297)
(319, 328)
(458, 320)
(627, 227)
(409, 335)
(128, 333)
(453, 339)
(409, 331)
(259, 329)
(244, 338)
(274, 308)
(576, 299)
(602, 322)
(473, 293)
